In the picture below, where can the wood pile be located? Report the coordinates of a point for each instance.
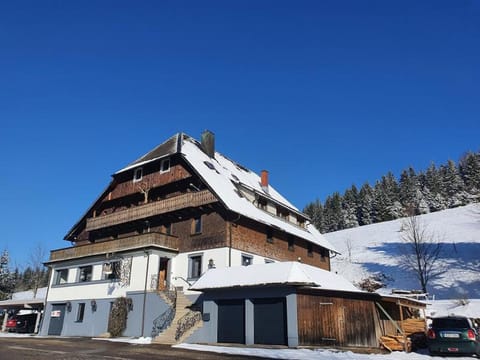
(396, 343)
(412, 326)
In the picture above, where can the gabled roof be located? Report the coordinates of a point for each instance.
(222, 176)
(280, 273)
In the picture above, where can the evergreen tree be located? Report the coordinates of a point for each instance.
(315, 212)
(452, 185)
(409, 185)
(349, 207)
(7, 282)
(333, 213)
(365, 205)
(469, 167)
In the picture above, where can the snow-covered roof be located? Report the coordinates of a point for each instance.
(221, 174)
(279, 273)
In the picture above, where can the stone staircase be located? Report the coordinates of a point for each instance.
(182, 308)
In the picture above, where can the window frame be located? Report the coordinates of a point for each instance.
(88, 274)
(58, 277)
(197, 225)
(115, 275)
(246, 260)
(191, 267)
(162, 165)
(137, 178)
(80, 312)
(269, 235)
(309, 249)
(291, 243)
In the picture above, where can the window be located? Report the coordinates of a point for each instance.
(247, 260)
(168, 229)
(268, 261)
(269, 236)
(137, 174)
(194, 266)
(301, 222)
(291, 243)
(197, 225)
(282, 213)
(323, 254)
(80, 312)
(85, 273)
(310, 249)
(262, 203)
(165, 165)
(61, 276)
(111, 270)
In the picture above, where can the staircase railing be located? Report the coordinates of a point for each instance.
(186, 322)
(163, 321)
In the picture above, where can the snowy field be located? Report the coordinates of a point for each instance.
(374, 250)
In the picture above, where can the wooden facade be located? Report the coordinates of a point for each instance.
(336, 319)
(345, 319)
(153, 198)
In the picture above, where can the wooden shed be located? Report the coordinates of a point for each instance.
(302, 306)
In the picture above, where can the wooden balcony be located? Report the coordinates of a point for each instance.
(157, 240)
(151, 209)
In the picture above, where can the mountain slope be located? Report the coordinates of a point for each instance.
(374, 250)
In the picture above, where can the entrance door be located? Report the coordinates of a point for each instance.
(270, 321)
(231, 321)
(162, 274)
(56, 319)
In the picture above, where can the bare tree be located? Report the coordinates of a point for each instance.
(39, 276)
(421, 250)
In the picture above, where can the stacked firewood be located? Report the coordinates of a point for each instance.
(396, 343)
(412, 326)
(403, 343)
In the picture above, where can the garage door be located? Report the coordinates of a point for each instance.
(270, 318)
(231, 321)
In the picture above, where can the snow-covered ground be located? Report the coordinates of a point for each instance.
(290, 354)
(374, 249)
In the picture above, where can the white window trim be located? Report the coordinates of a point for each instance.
(161, 166)
(135, 179)
(190, 266)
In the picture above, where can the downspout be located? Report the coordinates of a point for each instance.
(145, 291)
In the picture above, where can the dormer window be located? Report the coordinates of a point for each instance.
(282, 213)
(137, 174)
(301, 222)
(262, 203)
(165, 166)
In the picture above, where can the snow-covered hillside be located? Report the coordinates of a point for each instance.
(374, 249)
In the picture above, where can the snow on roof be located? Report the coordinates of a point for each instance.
(280, 273)
(28, 294)
(469, 308)
(221, 174)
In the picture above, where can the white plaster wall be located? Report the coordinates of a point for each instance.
(220, 257)
(105, 289)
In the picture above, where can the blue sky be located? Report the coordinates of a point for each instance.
(323, 94)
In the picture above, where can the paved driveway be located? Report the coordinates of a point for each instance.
(38, 348)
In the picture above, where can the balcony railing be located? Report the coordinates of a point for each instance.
(151, 209)
(111, 246)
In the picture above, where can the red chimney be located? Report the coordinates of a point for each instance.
(264, 179)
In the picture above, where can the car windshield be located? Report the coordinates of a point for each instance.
(452, 323)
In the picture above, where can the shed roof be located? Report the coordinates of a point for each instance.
(289, 273)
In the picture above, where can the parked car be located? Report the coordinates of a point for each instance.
(11, 325)
(453, 335)
(26, 323)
